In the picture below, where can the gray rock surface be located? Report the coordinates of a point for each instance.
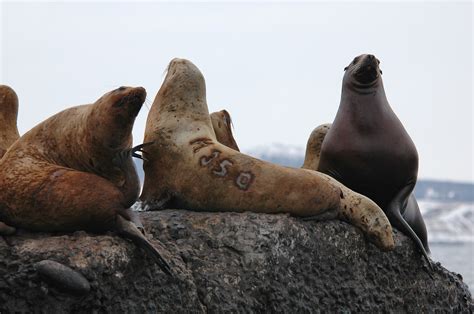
(228, 262)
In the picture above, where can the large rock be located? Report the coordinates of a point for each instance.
(226, 262)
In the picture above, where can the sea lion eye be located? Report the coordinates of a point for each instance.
(121, 88)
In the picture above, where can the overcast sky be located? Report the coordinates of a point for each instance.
(277, 68)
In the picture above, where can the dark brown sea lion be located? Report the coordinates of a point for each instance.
(368, 149)
(187, 168)
(8, 116)
(74, 171)
(222, 125)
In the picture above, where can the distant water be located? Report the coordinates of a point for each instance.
(458, 258)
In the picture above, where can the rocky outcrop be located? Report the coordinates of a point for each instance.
(224, 262)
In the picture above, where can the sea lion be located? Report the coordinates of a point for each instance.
(368, 149)
(222, 125)
(8, 117)
(187, 168)
(313, 147)
(74, 171)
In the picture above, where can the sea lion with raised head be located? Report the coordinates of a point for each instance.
(368, 149)
(222, 125)
(313, 147)
(8, 116)
(187, 168)
(74, 171)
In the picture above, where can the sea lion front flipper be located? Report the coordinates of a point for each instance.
(128, 229)
(395, 216)
(414, 218)
(6, 229)
(132, 216)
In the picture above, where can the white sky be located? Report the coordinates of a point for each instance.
(276, 67)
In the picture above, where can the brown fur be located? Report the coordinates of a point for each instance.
(222, 125)
(74, 171)
(187, 167)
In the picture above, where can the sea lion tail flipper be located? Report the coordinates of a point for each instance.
(127, 229)
(6, 229)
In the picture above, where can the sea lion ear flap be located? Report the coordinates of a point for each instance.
(346, 68)
(380, 71)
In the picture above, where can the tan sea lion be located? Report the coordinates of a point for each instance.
(313, 147)
(187, 168)
(74, 171)
(8, 118)
(222, 125)
(368, 149)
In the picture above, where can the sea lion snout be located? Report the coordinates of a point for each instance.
(366, 69)
(132, 98)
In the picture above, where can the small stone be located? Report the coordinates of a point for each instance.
(62, 277)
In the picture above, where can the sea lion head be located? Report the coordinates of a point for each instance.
(8, 104)
(363, 71)
(184, 89)
(114, 114)
(222, 124)
(8, 117)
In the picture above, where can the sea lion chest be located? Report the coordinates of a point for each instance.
(369, 151)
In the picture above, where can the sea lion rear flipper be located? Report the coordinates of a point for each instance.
(138, 148)
(122, 156)
(394, 215)
(127, 229)
(6, 229)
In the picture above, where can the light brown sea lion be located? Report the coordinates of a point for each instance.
(222, 125)
(368, 149)
(74, 171)
(313, 147)
(187, 168)
(8, 118)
